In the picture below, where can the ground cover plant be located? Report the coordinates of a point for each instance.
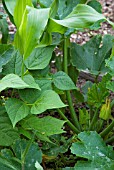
(41, 123)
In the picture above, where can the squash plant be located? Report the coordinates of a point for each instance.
(31, 93)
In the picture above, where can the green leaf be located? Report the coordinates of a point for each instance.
(46, 126)
(17, 110)
(20, 7)
(96, 5)
(12, 81)
(14, 65)
(39, 58)
(45, 4)
(62, 81)
(34, 153)
(5, 54)
(30, 31)
(83, 16)
(9, 162)
(10, 5)
(97, 93)
(6, 161)
(4, 30)
(44, 83)
(54, 8)
(28, 79)
(48, 100)
(93, 148)
(91, 56)
(66, 7)
(8, 134)
(29, 95)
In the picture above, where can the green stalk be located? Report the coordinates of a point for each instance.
(68, 121)
(110, 140)
(68, 95)
(26, 151)
(22, 70)
(94, 119)
(107, 129)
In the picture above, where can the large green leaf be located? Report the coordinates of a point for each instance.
(91, 56)
(10, 5)
(17, 110)
(62, 81)
(5, 54)
(48, 100)
(46, 126)
(6, 161)
(31, 29)
(8, 134)
(34, 153)
(82, 16)
(97, 93)
(29, 95)
(4, 30)
(39, 58)
(19, 9)
(28, 79)
(10, 162)
(12, 81)
(54, 8)
(14, 65)
(93, 148)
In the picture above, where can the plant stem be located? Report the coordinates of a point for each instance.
(26, 151)
(68, 95)
(110, 140)
(22, 70)
(107, 129)
(94, 119)
(68, 121)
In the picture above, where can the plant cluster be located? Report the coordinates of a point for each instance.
(41, 123)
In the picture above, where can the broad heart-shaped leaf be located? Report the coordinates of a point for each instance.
(39, 58)
(29, 95)
(12, 81)
(6, 161)
(34, 153)
(62, 81)
(6, 52)
(19, 10)
(8, 134)
(16, 110)
(14, 65)
(46, 126)
(48, 100)
(98, 92)
(91, 56)
(31, 29)
(93, 148)
(28, 79)
(83, 16)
